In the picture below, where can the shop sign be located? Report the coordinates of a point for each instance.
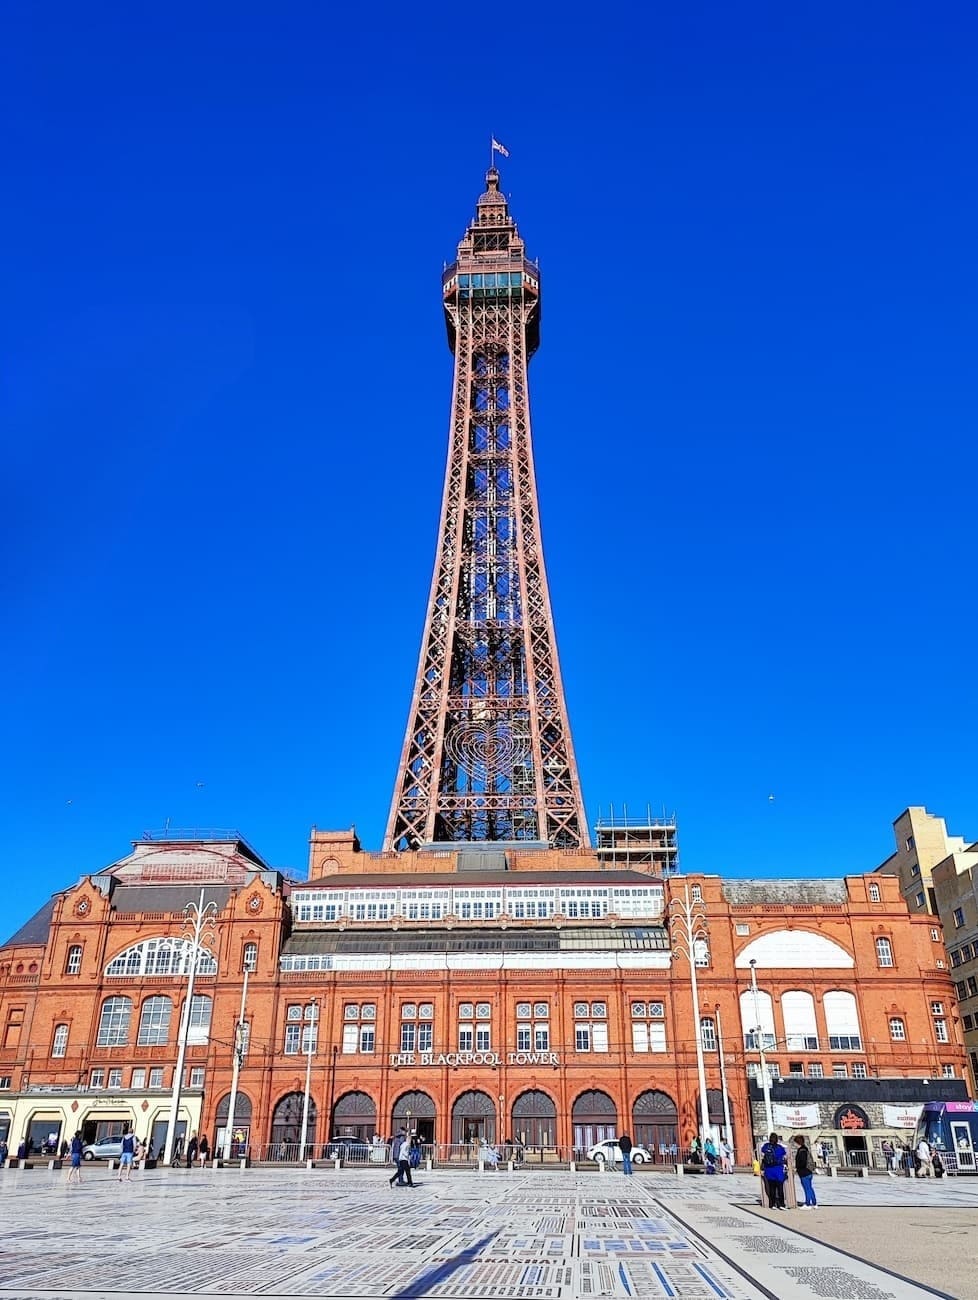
(961, 1105)
(805, 1116)
(851, 1119)
(473, 1058)
(900, 1116)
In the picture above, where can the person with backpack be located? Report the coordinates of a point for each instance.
(774, 1159)
(805, 1169)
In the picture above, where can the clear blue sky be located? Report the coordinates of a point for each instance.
(224, 393)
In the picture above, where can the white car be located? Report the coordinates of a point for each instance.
(610, 1150)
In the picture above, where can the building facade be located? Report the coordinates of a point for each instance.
(530, 996)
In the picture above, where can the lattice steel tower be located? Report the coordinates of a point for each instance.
(488, 756)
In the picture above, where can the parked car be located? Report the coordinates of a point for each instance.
(106, 1149)
(610, 1150)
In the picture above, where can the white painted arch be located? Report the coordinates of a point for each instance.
(793, 950)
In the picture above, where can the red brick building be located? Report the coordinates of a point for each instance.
(509, 993)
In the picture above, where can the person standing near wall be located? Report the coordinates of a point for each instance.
(625, 1147)
(805, 1169)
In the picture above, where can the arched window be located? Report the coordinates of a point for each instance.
(708, 1035)
(842, 1021)
(161, 957)
(154, 1022)
(898, 1030)
(59, 1045)
(113, 1025)
(800, 1026)
(249, 957)
(756, 1007)
(199, 1024)
(73, 960)
(884, 951)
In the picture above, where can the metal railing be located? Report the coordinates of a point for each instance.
(458, 1155)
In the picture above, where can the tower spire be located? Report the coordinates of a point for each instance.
(488, 755)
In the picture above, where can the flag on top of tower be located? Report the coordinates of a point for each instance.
(499, 148)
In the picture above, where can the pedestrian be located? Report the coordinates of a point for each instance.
(711, 1154)
(805, 1169)
(4, 1154)
(414, 1151)
(774, 1171)
(128, 1155)
(889, 1156)
(400, 1137)
(402, 1174)
(625, 1147)
(75, 1151)
(204, 1151)
(726, 1157)
(191, 1150)
(925, 1156)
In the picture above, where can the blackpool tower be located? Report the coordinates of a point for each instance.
(487, 757)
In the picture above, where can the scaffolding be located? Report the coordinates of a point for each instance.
(644, 842)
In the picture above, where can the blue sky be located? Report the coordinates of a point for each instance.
(224, 391)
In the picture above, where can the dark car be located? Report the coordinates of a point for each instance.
(349, 1149)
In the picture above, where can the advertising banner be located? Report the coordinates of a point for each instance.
(804, 1116)
(901, 1116)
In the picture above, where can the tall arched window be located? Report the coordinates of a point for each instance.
(113, 1025)
(59, 1045)
(199, 1024)
(800, 1026)
(154, 1022)
(842, 1021)
(750, 1014)
(708, 1035)
(249, 957)
(74, 959)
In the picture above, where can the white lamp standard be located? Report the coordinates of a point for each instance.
(723, 1080)
(689, 938)
(311, 1031)
(765, 1077)
(240, 1030)
(199, 918)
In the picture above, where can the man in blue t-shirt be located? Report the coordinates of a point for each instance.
(774, 1171)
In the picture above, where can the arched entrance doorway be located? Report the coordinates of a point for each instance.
(474, 1119)
(355, 1116)
(655, 1124)
(595, 1118)
(241, 1133)
(415, 1113)
(534, 1120)
(287, 1126)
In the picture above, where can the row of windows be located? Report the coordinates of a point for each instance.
(433, 905)
(155, 1017)
(159, 957)
(964, 953)
(967, 988)
(140, 1078)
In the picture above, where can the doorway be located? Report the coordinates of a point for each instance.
(856, 1153)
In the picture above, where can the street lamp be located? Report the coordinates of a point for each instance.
(312, 1018)
(765, 1078)
(200, 918)
(688, 942)
(723, 1080)
(240, 1030)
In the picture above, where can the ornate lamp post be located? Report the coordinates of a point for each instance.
(689, 936)
(311, 1031)
(240, 1030)
(199, 921)
(723, 1080)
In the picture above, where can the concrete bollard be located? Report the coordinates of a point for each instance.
(509, 1166)
(428, 1164)
(338, 1162)
(572, 1167)
(833, 1171)
(242, 1164)
(864, 1172)
(680, 1171)
(482, 1166)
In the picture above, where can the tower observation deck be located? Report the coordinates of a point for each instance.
(487, 756)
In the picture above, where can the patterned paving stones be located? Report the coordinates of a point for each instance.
(459, 1236)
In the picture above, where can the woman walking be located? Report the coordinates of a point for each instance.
(805, 1169)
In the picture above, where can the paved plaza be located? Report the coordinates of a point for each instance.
(530, 1235)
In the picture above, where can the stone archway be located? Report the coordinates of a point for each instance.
(595, 1117)
(534, 1119)
(355, 1116)
(286, 1130)
(474, 1119)
(415, 1113)
(655, 1124)
(241, 1134)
